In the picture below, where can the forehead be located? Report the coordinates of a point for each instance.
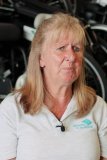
(63, 36)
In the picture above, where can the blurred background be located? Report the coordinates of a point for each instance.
(17, 28)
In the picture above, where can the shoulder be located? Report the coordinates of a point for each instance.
(100, 105)
(100, 110)
(9, 106)
(9, 125)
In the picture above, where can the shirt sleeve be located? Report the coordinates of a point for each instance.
(103, 128)
(8, 129)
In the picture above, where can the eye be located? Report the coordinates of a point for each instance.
(61, 48)
(76, 48)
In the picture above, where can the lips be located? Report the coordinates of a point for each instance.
(68, 68)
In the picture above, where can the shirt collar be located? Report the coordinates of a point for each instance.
(71, 108)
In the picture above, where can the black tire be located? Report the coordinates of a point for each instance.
(95, 77)
(101, 31)
(100, 52)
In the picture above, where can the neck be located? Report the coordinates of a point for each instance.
(58, 90)
(58, 100)
(59, 94)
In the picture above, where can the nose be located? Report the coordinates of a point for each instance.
(70, 55)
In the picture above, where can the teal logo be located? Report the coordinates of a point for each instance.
(86, 123)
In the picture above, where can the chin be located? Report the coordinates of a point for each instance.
(70, 81)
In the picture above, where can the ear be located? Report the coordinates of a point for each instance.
(41, 61)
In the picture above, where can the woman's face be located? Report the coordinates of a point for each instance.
(62, 60)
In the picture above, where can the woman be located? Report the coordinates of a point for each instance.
(54, 115)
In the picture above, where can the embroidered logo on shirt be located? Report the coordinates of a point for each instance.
(86, 123)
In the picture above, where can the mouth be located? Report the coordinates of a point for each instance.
(68, 69)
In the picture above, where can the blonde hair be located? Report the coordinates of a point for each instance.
(32, 93)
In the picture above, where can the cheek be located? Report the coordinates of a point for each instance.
(61, 55)
(58, 59)
(53, 62)
(79, 63)
(80, 58)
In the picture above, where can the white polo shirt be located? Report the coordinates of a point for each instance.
(36, 137)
